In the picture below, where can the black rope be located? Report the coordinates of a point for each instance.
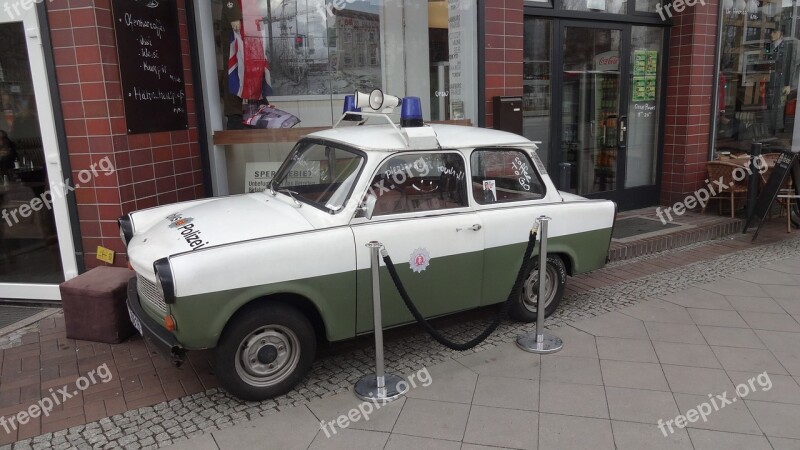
(512, 297)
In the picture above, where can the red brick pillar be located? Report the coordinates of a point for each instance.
(689, 112)
(504, 47)
(150, 169)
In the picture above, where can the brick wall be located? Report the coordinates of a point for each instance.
(504, 30)
(151, 169)
(688, 119)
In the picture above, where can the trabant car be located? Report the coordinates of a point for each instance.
(265, 278)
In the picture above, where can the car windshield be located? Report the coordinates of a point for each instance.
(319, 174)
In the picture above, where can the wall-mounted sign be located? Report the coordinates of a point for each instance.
(607, 61)
(150, 64)
(259, 174)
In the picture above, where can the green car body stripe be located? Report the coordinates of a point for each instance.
(344, 300)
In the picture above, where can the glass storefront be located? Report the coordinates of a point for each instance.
(285, 64)
(758, 76)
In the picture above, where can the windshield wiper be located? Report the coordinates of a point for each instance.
(289, 193)
(270, 188)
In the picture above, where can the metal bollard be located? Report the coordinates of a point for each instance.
(541, 341)
(379, 385)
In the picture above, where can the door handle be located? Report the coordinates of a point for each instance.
(622, 129)
(475, 227)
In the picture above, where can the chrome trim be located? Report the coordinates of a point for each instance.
(148, 291)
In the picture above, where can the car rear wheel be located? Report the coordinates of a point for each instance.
(555, 280)
(265, 351)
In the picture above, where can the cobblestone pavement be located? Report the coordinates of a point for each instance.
(178, 419)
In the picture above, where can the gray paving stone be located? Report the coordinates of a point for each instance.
(300, 420)
(674, 332)
(657, 310)
(375, 416)
(771, 322)
(766, 276)
(577, 342)
(748, 360)
(790, 305)
(638, 436)
(613, 324)
(776, 419)
(636, 350)
(686, 355)
(637, 405)
(403, 442)
(788, 265)
(502, 392)
(505, 360)
(731, 337)
(570, 369)
(695, 297)
(756, 304)
(766, 387)
(561, 432)
(784, 444)
(734, 286)
(573, 399)
(733, 417)
(481, 447)
(348, 439)
(633, 375)
(780, 341)
(787, 292)
(451, 382)
(697, 380)
(713, 440)
(502, 427)
(717, 318)
(433, 419)
(205, 442)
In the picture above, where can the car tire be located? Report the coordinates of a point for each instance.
(265, 351)
(524, 309)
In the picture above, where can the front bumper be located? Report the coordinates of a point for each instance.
(162, 339)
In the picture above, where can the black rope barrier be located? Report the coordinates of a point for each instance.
(436, 334)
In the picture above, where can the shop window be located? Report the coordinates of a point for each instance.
(501, 176)
(414, 183)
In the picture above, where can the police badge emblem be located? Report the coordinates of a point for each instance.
(420, 259)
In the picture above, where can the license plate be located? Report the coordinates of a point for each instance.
(135, 321)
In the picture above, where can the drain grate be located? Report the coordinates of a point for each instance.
(633, 226)
(10, 315)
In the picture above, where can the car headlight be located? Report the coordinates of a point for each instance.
(164, 280)
(125, 229)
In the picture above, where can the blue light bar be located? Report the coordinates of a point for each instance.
(411, 112)
(350, 107)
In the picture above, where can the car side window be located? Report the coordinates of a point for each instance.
(504, 175)
(420, 182)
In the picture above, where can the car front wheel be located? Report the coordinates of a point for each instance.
(265, 351)
(555, 280)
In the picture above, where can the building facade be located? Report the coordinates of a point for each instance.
(112, 106)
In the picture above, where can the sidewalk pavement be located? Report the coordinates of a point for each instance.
(617, 376)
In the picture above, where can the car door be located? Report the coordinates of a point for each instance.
(423, 218)
(509, 195)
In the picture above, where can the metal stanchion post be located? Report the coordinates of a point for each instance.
(379, 385)
(541, 341)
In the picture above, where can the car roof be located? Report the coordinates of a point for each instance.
(386, 138)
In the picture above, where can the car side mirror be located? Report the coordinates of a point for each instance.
(368, 206)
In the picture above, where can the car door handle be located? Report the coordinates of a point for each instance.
(475, 227)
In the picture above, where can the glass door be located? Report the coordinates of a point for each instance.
(605, 94)
(36, 250)
(592, 115)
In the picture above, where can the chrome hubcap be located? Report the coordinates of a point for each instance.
(531, 288)
(267, 355)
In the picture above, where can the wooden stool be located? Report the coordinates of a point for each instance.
(95, 305)
(789, 198)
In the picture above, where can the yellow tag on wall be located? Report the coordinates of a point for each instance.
(105, 254)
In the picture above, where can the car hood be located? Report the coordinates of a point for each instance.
(212, 223)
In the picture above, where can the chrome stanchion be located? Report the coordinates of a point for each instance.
(541, 341)
(379, 385)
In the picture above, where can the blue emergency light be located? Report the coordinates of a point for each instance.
(350, 107)
(411, 112)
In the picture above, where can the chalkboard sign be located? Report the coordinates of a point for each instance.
(151, 65)
(785, 163)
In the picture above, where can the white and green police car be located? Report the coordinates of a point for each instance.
(264, 278)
